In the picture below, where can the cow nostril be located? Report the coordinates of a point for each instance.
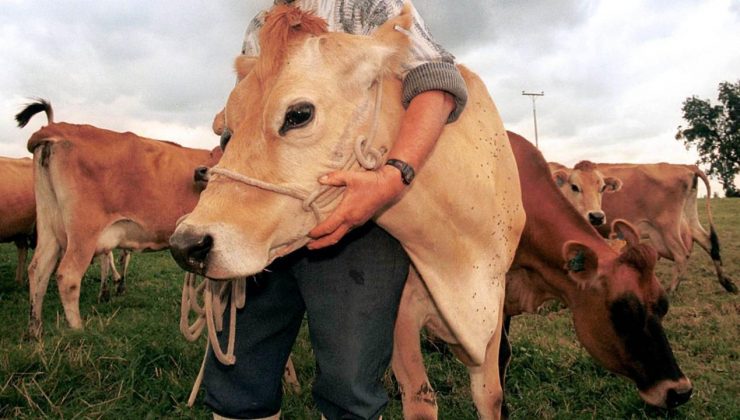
(675, 398)
(198, 252)
(596, 219)
(201, 174)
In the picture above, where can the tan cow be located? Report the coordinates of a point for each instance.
(459, 221)
(661, 201)
(97, 190)
(18, 208)
(616, 301)
(584, 186)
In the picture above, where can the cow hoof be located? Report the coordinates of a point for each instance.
(728, 285)
(121, 289)
(104, 296)
(34, 333)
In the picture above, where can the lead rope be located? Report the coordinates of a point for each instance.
(210, 315)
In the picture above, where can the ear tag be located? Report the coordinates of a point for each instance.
(578, 262)
(403, 30)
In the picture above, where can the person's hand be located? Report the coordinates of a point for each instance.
(365, 193)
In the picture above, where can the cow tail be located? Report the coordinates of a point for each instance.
(34, 108)
(714, 239)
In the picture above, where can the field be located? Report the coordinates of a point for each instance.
(131, 362)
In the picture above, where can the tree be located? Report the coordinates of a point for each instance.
(715, 131)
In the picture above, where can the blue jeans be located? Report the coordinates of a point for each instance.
(350, 293)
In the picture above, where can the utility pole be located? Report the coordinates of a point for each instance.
(534, 96)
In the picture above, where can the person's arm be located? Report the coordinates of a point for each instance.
(434, 94)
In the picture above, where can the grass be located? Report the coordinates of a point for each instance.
(131, 362)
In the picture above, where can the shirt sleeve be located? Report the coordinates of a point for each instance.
(430, 66)
(251, 44)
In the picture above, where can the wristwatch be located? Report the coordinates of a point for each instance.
(407, 171)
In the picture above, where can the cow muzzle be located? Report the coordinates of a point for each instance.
(596, 218)
(191, 249)
(668, 393)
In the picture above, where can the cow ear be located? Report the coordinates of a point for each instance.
(219, 122)
(581, 263)
(612, 184)
(622, 229)
(243, 66)
(560, 177)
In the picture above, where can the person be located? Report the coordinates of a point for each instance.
(350, 291)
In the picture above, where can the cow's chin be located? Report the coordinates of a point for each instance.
(241, 260)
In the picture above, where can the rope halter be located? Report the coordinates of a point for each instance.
(364, 153)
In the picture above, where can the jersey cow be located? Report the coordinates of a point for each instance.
(584, 187)
(97, 190)
(615, 299)
(459, 221)
(661, 201)
(18, 207)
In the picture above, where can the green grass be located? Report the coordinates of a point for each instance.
(131, 362)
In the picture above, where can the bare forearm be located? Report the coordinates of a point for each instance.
(421, 126)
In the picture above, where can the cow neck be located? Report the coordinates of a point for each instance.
(364, 155)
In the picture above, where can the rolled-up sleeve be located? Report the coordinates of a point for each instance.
(429, 66)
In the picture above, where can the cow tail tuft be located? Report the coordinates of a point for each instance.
(34, 108)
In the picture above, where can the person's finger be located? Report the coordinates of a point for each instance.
(328, 226)
(331, 239)
(336, 179)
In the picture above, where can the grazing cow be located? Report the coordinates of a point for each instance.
(459, 221)
(661, 201)
(97, 190)
(18, 208)
(616, 301)
(583, 186)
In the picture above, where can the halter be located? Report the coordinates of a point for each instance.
(365, 155)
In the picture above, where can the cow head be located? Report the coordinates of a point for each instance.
(618, 316)
(296, 114)
(584, 186)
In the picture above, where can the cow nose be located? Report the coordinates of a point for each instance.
(676, 398)
(596, 218)
(201, 174)
(190, 250)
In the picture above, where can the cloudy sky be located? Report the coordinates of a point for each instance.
(614, 73)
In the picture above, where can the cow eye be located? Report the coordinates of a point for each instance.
(575, 188)
(225, 137)
(297, 116)
(603, 188)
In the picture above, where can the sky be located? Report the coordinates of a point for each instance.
(614, 73)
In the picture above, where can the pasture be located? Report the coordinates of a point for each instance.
(132, 362)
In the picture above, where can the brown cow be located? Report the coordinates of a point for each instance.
(18, 209)
(616, 300)
(97, 190)
(661, 201)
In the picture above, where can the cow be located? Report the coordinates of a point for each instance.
(661, 201)
(18, 208)
(18, 220)
(584, 186)
(97, 190)
(616, 301)
(459, 221)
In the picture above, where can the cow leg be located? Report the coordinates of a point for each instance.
(42, 265)
(418, 397)
(123, 260)
(72, 267)
(709, 242)
(20, 270)
(485, 382)
(504, 358)
(105, 261)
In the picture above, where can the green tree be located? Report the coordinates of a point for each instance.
(715, 132)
